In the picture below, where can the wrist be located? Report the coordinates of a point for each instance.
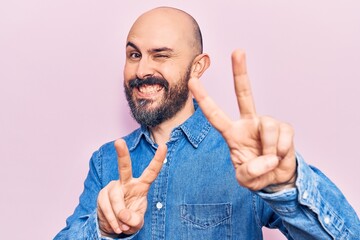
(273, 188)
(109, 235)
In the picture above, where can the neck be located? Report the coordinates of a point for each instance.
(161, 133)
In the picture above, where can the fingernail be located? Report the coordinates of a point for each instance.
(125, 227)
(272, 161)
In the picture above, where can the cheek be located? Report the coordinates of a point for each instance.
(129, 71)
(172, 73)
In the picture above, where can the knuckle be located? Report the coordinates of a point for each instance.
(214, 115)
(110, 185)
(153, 171)
(268, 123)
(252, 185)
(102, 195)
(244, 92)
(116, 195)
(245, 174)
(251, 171)
(282, 149)
(116, 198)
(124, 165)
(287, 128)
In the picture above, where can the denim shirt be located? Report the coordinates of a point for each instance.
(196, 195)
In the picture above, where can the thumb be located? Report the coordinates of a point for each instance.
(131, 219)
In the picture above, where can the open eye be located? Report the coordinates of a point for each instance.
(134, 55)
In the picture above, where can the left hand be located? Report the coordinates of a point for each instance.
(121, 204)
(261, 148)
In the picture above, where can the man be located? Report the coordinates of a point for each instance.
(189, 172)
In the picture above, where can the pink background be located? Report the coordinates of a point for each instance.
(61, 93)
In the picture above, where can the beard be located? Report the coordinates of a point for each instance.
(173, 100)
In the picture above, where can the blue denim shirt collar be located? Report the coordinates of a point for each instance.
(195, 129)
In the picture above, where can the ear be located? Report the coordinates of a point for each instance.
(199, 65)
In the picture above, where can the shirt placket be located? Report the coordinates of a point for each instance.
(159, 199)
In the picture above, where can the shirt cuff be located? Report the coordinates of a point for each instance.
(307, 195)
(287, 200)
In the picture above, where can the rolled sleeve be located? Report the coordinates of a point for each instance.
(317, 204)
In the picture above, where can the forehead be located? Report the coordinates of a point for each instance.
(157, 30)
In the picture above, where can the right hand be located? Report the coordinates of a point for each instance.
(261, 148)
(121, 205)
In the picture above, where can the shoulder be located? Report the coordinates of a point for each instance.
(104, 158)
(107, 151)
(104, 161)
(215, 136)
(109, 148)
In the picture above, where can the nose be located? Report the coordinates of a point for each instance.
(145, 69)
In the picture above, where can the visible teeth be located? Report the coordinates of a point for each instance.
(149, 89)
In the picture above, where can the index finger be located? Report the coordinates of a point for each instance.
(152, 171)
(212, 112)
(242, 85)
(124, 161)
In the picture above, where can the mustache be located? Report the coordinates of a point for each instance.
(137, 82)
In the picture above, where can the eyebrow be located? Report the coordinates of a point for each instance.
(130, 44)
(153, 50)
(162, 49)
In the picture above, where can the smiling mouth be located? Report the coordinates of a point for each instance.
(149, 88)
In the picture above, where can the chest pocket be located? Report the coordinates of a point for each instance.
(206, 221)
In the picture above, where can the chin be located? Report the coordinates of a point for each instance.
(147, 104)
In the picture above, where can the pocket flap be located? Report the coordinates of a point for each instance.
(206, 215)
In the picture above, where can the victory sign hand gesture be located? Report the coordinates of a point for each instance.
(122, 203)
(261, 148)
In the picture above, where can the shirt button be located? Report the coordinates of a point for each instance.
(165, 160)
(305, 195)
(327, 220)
(159, 205)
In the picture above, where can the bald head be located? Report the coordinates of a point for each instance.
(163, 51)
(169, 24)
